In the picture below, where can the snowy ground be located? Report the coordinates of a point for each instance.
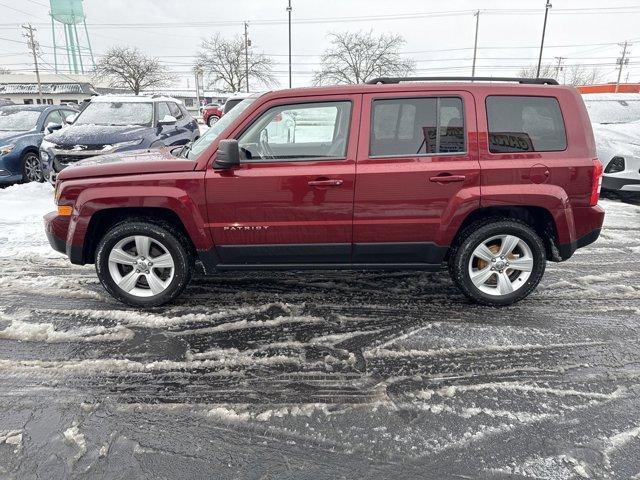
(318, 375)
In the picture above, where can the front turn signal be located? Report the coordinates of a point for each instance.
(65, 210)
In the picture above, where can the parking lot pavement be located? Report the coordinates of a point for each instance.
(325, 375)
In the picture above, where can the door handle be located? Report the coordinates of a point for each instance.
(325, 183)
(447, 178)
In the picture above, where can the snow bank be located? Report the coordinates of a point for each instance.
(21, 228)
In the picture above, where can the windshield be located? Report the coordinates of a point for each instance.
(613, 111)
(117, 114)
(18, 120)
(210, 135)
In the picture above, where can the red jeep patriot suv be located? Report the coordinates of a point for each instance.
(491, 178)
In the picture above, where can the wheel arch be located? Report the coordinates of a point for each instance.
(103, 220)
(538, 218)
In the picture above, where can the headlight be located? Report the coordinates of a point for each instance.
(130, 143)
(616, 165)
(46, 145)
(44, 156)
(6, 149)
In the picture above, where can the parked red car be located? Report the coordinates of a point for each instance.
(492, 179)
(211, 114)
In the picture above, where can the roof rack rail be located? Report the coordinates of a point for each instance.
(534, 81)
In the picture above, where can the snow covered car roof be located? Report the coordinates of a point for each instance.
(610, 96)
(133, 99)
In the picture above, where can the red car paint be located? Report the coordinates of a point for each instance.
(343, 212)
(207, 112)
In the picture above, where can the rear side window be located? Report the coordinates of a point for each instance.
(525, 124)
(417, 126)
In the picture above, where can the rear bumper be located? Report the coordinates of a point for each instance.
(588, 224)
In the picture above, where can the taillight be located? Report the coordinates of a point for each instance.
(596, 182)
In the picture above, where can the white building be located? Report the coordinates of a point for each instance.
(56, 88)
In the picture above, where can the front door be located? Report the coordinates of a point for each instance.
(291, 199)
(417, 170)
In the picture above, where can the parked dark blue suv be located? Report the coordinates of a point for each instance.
(21, 130)
(111, 124)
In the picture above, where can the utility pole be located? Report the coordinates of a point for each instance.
(544, 28)
(289, 12)
(559, 66)
(622, 61)
(33, 45)
(247, 44)
(198, 74)
(475, 44)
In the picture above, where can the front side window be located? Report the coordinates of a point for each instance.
(302, 131)
(163, 111)
(525, 124)
(54, 117)
(416, 126)
(116, 114)
(175, 110)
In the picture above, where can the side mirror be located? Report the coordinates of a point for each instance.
(52, 127)
(168, 120)
(228, 155)
(71, 118)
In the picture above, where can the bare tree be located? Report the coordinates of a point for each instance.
(129, 68)
(547, 70)
(581, 75)
(223, 61)
(356, 57)
(570, 75)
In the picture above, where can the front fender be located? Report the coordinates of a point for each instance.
(92, 200)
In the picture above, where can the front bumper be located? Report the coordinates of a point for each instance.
(620, 183)
(57, 229)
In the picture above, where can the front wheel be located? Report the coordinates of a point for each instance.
(143, 264)
(498, 263)
(212, 119)
(31, 169)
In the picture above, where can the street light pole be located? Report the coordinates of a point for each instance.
(622, 61)
(544, 28)
(475, 45)
(247, 42)
(289, 12)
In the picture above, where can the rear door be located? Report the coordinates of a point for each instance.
(291, 199)
(417, 174)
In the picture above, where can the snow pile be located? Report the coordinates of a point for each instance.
(12, 437)
(73, 437)
(21, 227)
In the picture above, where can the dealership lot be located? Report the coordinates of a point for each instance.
(318, 374)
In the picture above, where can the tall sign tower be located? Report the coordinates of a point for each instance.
(71, 45)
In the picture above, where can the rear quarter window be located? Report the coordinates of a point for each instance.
(525, 124)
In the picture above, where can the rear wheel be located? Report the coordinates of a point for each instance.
(498, 262)
(212, 119)
(31, 170)
(143, 264)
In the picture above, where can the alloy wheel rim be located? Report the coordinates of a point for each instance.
(141, 266)
(213, 120)
(32, 168)
(501, 265)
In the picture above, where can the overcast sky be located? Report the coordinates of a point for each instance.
(439, 35)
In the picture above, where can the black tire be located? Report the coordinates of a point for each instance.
(479, 232)
(175, 243)
(212, 120)
(31, 168)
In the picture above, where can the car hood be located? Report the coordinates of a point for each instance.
(130, 163)
(6, 137)
(617, 132)
(96, 134)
